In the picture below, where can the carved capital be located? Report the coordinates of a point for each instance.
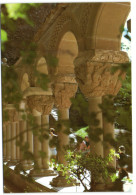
(63, 92)
(42, 104)
(12, 113)
(93, 73)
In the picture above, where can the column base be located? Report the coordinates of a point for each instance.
(60, 181)
(42, 172)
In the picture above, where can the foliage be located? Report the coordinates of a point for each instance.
(87, 168)
(82, 132)
(12, 13)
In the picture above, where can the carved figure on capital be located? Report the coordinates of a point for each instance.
(63, 92)
(94, 74)
(41, 103)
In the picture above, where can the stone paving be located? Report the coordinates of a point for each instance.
(127, 186)
(45, 181)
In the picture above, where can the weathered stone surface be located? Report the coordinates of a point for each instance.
(13, 114)
(93, 73)
(63, 92)
(40, 103)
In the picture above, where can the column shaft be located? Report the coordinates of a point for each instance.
(13, 142)
(63, 138)
(96, 147)
(30, 141)
(23, 139)
(17, 147)
(37, 143)
(8, 143)
(108, 129)
(45, 143)
(4, 144)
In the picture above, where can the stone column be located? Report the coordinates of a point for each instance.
(23, 140)
(62, 136)
(108, 131)
(22, 124)
(4, 143)
(93, 74)
(17, 147)
(11, 145)
(40, 106)
(45, 147)
(8, 143)
(63, 92)
(30, 141)
(96, 147)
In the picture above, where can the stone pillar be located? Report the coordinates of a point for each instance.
(17, 147)
(22, 125)
(93, 74)
(96, 147)
(63, 92)
(30, 141)
(23, 140)
(11, 133)
(40, 106)
(4, 143)
(108, 129)
(45, 147)
(62, 136)
(13, 143)
(8, 143)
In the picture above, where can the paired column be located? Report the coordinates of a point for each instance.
(40, 106)
(11, 132)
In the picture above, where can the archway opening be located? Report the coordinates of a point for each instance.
(67, 52)
(25, 82)
(42, 66)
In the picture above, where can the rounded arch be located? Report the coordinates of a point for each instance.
(65, 23)
(67, 52)
(25, 82)
(105, 33)
(41, 65)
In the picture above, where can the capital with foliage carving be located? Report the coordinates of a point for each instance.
(93, 72)
(41, 103)
(63, 93)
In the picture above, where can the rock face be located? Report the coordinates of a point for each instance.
(24, 33)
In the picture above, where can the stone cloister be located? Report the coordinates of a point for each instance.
(86, 40)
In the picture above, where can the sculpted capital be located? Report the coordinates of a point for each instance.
(93, 72)
(41, 103)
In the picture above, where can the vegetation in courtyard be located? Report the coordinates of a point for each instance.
(87, 168)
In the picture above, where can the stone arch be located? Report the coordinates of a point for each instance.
(66, 22)
(105, 30)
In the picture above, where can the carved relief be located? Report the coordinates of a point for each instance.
(84, 19)
(13, 115)
(63, 92)
(41, 103)
(58, 28)
(65, 78)
(94, 74)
